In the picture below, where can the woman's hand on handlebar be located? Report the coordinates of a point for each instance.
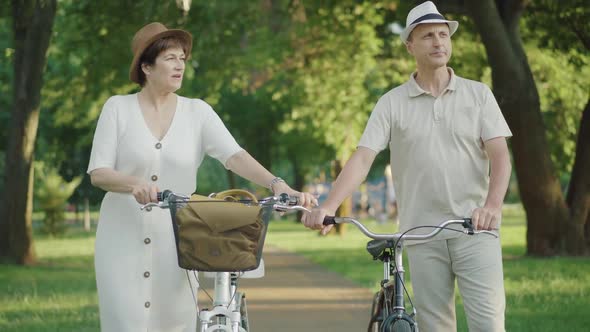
(315, 219)
(305, 199)
(145, 193)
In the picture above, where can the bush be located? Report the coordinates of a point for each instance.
(52, 193)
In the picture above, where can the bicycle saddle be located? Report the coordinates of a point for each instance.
(376, 247)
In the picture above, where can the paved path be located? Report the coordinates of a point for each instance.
(299, 296)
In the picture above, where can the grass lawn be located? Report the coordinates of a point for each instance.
(59, 294)
(543, 294)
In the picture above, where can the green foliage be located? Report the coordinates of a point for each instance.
(563, 90)
(338, 66)
(560, 25)
(211, 177)
(293, 81)
(52, 193)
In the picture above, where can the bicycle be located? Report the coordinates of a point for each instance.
(388, 312)
(229, 308)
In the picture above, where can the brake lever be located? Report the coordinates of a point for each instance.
(468, 224)
(152, 204)
(285, 208)
(487, 232)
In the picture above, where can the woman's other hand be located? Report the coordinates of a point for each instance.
(145, 193)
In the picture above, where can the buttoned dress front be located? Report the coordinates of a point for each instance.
(140, 286)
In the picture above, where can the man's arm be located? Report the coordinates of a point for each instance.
(353, 174)
(488, 216)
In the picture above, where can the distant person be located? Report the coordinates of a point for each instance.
(147, 142)
(449, 157)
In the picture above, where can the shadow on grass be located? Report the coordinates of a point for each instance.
(81, 319)
(63, 275)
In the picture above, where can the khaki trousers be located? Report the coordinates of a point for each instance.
(476, 263)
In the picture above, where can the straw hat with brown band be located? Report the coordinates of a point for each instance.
(149, 34)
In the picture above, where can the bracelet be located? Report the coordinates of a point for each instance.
(275, 181)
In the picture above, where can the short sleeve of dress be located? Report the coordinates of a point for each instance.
(493, 123)
(377, 133)
(217, 140)
(104, 144)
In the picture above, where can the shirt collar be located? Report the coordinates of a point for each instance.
(415, 89)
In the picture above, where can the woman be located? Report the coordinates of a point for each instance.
(144, 143)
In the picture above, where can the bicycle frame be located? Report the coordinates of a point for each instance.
(393, 280)
(382, 249)
(226, 304)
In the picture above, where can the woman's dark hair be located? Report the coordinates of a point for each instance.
(151, 53)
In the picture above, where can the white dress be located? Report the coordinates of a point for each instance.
(140, 286)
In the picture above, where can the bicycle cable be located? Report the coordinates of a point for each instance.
(395, 263)
(233, 296)
(188, 277)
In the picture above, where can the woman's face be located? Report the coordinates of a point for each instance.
(167, 71)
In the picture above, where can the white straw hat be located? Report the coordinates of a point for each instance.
(425, 13)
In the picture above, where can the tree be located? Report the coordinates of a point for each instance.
(32, 26)
(555, 223)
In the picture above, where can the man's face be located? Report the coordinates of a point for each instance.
(430, 44)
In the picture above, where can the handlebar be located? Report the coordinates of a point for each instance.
(465, 222)
(285, 203)
(281, 203)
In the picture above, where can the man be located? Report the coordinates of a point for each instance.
(449, 158)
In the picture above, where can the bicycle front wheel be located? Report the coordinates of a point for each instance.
(398, 324)
(401, 326)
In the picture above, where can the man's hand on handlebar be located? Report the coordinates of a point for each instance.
(486, 218)
(315, 219)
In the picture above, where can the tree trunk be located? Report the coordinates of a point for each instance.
(32, 24)
(515, 90)
(578, 196)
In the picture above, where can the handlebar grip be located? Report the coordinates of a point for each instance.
(329, 220)
(284, 198)
(163, 195)
(467, 223)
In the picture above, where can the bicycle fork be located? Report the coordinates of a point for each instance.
(224, 305)
(398, 272)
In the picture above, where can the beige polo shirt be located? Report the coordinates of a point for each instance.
(438, 161)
